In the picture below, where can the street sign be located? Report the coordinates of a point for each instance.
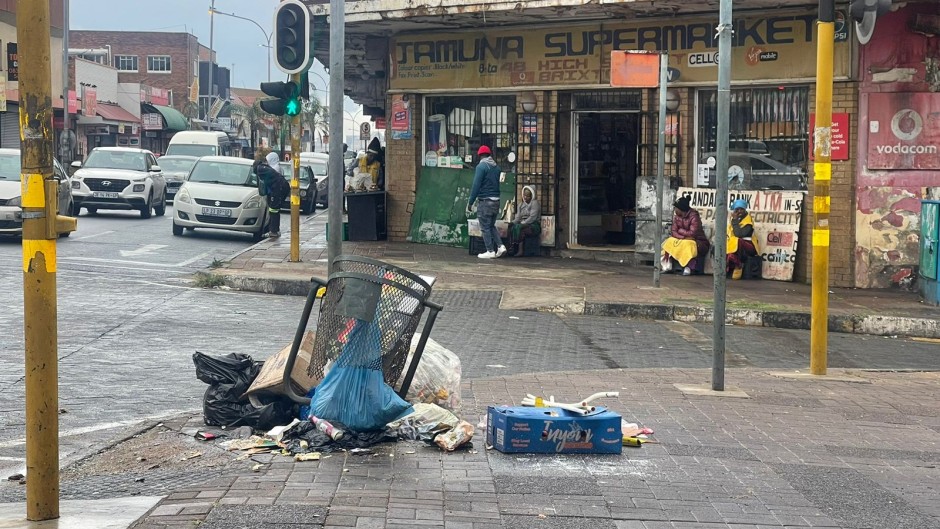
(634, 69)
(365, 131)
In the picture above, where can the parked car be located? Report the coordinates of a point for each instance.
(11, 218)
(748, 170)
(120, 178)
(319, 162)
(308, 186)
(221, 192)
(176, 168)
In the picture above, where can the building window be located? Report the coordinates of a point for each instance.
(100, 59)
(768, 137)
(158, 63)
(126, 63)
(458, 126)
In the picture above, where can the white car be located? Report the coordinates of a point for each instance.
(11, 219)
(119, 178)
(221, 192)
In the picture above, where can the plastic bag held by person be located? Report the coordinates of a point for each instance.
(437, 380)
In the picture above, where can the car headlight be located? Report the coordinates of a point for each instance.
(139, 188)
(76, 184)
(253, 203)
(183, 195)
(15, 201)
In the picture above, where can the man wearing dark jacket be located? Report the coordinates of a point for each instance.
(486, 189)
(273, 185)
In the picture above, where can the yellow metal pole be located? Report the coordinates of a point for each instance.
(39, 262)
(295, 182)
(822, 175)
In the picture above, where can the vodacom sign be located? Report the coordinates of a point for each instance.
(903, 136)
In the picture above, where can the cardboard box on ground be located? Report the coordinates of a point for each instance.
(270, 380)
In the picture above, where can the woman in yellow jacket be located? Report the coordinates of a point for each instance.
(742, 241)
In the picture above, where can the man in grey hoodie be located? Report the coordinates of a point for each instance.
(486, 189)
(527, 222)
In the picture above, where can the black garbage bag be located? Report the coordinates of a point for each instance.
(226, 369)
(318, 441)
(221, 407)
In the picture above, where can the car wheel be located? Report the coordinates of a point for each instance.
(92, 211)
(177, 229)
(147, 210)
(160, 208)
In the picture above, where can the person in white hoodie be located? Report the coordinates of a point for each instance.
(527, 222)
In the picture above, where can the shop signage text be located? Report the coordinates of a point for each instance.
(840, 137)
(13, 68)
(765, 48)
(904, 131)
(776, 216)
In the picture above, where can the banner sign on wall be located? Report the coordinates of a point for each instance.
(765, 48)
(776, 216)
(401, 117)
(13, 69)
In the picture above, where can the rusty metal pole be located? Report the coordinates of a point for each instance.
(295, 181)
(39, 261)
(822, 175)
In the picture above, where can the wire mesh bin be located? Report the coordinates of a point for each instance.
(371, 311)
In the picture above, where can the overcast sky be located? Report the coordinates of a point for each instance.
(235, 41)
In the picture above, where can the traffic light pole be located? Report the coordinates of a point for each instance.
(39, 192)
(295, 182)
(822, 175)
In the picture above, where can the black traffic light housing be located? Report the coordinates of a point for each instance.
(292, 33)
(286, 98)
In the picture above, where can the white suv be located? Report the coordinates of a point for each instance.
(119, 178)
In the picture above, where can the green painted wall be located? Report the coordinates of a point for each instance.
(439, 215)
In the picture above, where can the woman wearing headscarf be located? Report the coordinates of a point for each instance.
(273, 185)
(742, 242)
(528, 220)
(688, 242)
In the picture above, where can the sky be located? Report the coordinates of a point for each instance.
(236, 42)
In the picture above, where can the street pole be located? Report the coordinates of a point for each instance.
(336, 170)
(822, 175)
(39, 196)
(211, 64)
(721, 195)
(660, 169)
(66, 156)
(295, 181)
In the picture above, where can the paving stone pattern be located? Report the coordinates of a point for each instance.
(722, 463)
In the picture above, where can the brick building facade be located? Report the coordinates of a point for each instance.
(163, 60)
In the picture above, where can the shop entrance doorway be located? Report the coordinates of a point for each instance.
(605, 166)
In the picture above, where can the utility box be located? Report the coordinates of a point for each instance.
(929, 264)
(553, 431)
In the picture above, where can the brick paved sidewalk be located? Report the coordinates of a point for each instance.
(588, 287)
(858, 450)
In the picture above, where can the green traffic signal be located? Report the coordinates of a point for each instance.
(292, 107)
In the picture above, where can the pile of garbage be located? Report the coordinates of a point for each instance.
(351, 408)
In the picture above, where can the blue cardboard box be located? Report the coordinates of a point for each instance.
(553, 431)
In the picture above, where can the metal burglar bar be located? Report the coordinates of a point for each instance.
(768, 134)
(458, 126)
(535, 165)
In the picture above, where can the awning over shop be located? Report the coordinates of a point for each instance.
(175, 120)
(115, 113)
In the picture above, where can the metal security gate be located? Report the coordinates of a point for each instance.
(536, 157)
(10, 128)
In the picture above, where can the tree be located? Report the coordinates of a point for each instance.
(315, 116)
(250, 115)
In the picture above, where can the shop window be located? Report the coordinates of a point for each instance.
(768, 129)
(458, 126)
(158, 63)
(126, 63)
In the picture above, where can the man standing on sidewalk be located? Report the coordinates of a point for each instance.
(273, 185)
(486, 189)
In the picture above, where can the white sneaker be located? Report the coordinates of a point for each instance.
(487, 255)
(500, 251)
(687, 271)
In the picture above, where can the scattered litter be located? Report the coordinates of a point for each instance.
(554, 430)
(426, 417)
(15, 477)
(437, 379)
(410, 452)
(205, 436)
(139, 480)
(257, 467)
(192, 455)
(514, 317)
(63, 411)
(309, 456)
(278, 431)
(326, 427)
(141, 459)
(345, 470)
(248, 444)
(356, 451)
(496, 366)
(456, 437)
(542, 516)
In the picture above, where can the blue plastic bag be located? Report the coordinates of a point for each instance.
(354, 391)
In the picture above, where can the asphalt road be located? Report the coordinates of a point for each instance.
(130, 320)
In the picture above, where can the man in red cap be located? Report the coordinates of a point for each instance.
(485, 190)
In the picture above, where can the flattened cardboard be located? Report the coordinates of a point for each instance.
(269, 380)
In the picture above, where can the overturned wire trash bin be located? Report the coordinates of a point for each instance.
(367, 303)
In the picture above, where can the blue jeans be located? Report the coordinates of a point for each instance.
(487, 210)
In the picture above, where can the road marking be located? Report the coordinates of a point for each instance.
(193, 260)
(92, 236)
(117, 261)
(17, 459)
(101, 426)
(145, 249)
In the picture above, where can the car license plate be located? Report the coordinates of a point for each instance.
(106, 194)
(217, 212)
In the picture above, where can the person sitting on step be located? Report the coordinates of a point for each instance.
(527, 222)
(742, 241)
(688, 245)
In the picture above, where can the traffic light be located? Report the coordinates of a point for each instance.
(286, 98)
(292, 36)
